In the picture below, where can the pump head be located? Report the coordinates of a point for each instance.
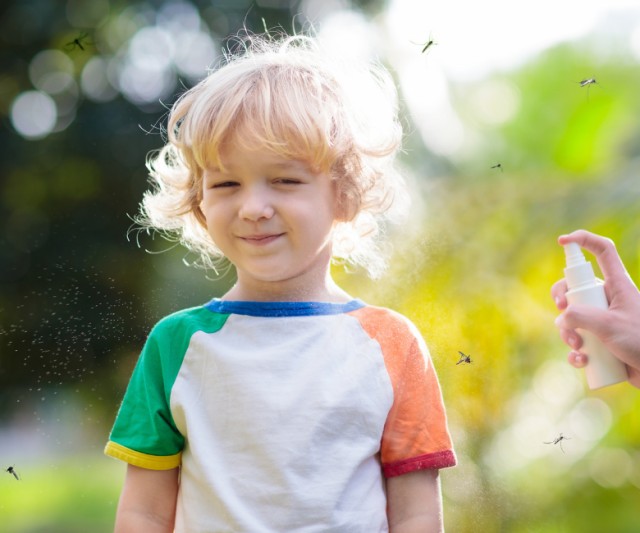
(574, 254)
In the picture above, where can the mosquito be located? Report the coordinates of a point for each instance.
(498, 166)
(425, 46)
(464, 358)
(588, 82)
(12, 471)
(79, 42)
(558, 440)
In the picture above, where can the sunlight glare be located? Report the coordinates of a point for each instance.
(349, 27)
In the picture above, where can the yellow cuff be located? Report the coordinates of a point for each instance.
(143, 460)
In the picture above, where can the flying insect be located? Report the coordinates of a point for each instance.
(558, 440)
(79, 42)
(426, 45)
(12, 471)
(588, 82)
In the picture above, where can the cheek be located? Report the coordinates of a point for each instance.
(327, 206)
(215, 227)
(212, 218)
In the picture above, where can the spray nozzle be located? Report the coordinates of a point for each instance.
(579, 272)
(574, 255)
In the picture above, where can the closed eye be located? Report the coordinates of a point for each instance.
(288, 181)
(223, 184)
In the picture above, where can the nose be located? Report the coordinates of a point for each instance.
(256, 204)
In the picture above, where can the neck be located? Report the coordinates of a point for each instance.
(326, 290)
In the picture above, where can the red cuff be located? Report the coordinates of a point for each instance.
(429, 461)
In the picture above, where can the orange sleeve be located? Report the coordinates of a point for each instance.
(415, 435)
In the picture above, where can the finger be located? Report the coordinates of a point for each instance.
(577, 359)
(634, 376)
(569, 336)
(604, 250)
(586, 317)
(558, 291)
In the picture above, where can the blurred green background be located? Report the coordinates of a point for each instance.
(84, 90)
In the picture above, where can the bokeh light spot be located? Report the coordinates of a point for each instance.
(51, 71)
(33, 114)
(151, 48)
(610, 467)
(495, 101)
(590, 419)
(145, 84)
(557, 383)
(179, 17)
(94, 81)
(195, 54)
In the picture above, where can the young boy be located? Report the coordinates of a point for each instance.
(286, 405)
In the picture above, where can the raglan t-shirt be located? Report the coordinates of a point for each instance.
(283, 416)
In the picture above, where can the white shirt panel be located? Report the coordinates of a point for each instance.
(289, 411)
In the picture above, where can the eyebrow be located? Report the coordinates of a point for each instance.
(289, 165)
(278, 165)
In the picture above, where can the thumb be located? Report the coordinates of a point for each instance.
(585, 317)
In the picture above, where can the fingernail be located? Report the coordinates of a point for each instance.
(580, 360)
(573, 341)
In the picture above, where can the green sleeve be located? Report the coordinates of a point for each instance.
(145, 433)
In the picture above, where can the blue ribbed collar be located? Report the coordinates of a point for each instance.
(279, 309)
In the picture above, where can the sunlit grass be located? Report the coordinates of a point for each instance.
(75, 494)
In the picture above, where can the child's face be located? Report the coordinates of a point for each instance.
(272, 218)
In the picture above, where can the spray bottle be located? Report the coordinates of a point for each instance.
(603, 368)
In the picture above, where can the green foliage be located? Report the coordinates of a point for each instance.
(480, 272)
(476, 275)
(73, 495)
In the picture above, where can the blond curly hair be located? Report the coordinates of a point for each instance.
(287, 94)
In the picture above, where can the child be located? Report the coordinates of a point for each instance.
(286, 405)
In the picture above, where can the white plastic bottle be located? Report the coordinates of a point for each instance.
(603, 368)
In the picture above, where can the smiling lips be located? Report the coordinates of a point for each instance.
(261, 240)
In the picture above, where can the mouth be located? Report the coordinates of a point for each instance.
(261, 240)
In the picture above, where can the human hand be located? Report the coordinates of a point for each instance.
(618, 327)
